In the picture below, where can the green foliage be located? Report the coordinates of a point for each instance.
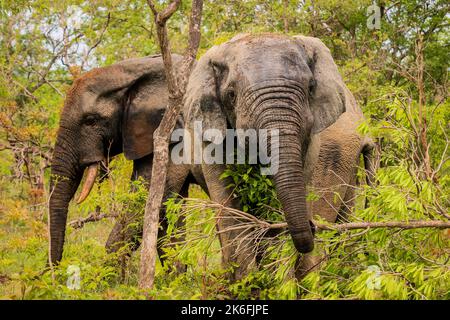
(45, 46)
(256, 191)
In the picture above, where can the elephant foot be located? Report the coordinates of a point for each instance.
(180, 267)
(307, 263)
(177, 268)
(238, 266)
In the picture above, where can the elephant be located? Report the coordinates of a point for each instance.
(291, 84)
(108, 111)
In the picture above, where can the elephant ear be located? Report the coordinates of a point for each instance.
(201, 101)
(144, 105)
(330, 97)
(101, 81)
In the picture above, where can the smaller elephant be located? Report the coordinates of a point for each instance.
(108, 111)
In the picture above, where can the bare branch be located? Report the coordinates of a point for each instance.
(92, 217)
(162, 134)
(386, 224)
(193, 44)
(164, 45)
(162, 17)
(206, 204)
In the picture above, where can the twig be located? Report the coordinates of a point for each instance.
(92, 217)
(99, 40)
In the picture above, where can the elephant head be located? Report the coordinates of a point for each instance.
(270, 82)
(107, 111)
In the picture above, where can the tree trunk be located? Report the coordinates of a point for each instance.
(162, 134)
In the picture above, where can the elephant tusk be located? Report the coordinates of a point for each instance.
(88, 182)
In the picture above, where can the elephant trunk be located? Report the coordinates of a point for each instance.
(65, 178)
(285, 116)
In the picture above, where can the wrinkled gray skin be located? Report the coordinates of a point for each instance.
(108, 111)
(267, 82)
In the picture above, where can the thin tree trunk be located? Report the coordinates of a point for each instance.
(177, 88)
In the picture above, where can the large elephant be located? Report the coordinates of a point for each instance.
(107, 111)
(269, 81)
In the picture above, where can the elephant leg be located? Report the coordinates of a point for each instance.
(126, 230)
(236, 244)
(348, 201)
(175, 177)
(177, 183)
(125, 236)
(306, 263)
(127, 233)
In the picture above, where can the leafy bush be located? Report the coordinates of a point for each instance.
(408, 116)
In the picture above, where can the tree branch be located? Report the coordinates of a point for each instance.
(99, 40)
(164, 44)
(385, 224)
(162, 134)
(162, 17)
(340, 227)
(92, 217)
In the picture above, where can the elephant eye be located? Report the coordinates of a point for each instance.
(90, 120)
(231, 96)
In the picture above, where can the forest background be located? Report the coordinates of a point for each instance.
(397, 70)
